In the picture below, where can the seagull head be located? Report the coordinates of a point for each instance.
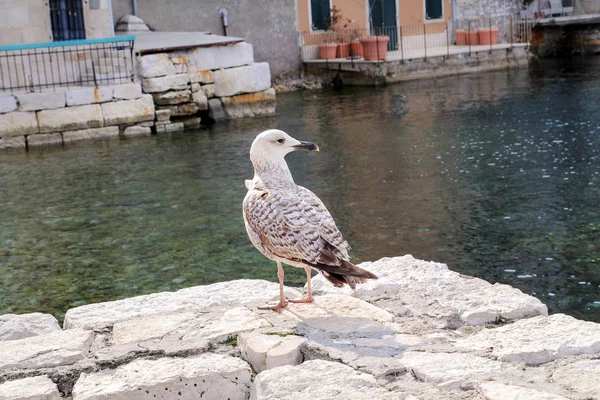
(271, 147)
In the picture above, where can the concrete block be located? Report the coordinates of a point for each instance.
(163, 115)
(33, 388)
(172, 97)
(129, 111)
(247, 79)
(136, 130)
(211, 58)
(250, 105)
(44, 139)
(91, 95)
(7, 104)
(165, 83)
(15, 142)
(203, 77)
(18, 124)
(209, 90)
(91, 134)
(155, 65)
(201, 100)
(41, 101)
(215, 110)
(127, 91)
(71, 118)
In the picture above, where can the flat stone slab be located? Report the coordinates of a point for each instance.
(270, 351)
(581, 377)
(15, 142)
(71, 118)
(317, 380)
(18, 123)
(247, 79)
(217, 57)
(538, 340)
(499, 391)
(127, 91)
(204, 376)
(165, 83)
(14, 327)
(44, 139)
(250, 104)
(89, 95)
(7, 104)
(129, 111)
(34, 388)
(90, 134)
(47, 350)
(155, 65)
(41, 101)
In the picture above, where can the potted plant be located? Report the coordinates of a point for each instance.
(328, 46)
(374, 47)
(356, 49)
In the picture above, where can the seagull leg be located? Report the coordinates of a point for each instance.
(309, 297)
(282, 301)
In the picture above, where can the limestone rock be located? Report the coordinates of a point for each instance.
(246, 79)
(191, 123)
(91, 95)
(7, 104)
(137, 131)
(13, 327)
(288, 352)
(499, 391)
(250, 105)
(71, 118)
(155, 65)
(172, 97)
(215, 110)
(202, 77)
(170, 127)
(206, 376)
(317, 380)
(581, 377)
(41, 101)
(15, 142)
(181, 110)
(90, 134)
(338, 305)
(18, 124)
(196, 87)
(34, 388)
(44, 139)
(163, 115)
(538, 340)
(270, 351)
(127, 91)
(199, 298)
(47, 350)
(147, 124)
(215, 57)
(200, 100)
(129, 111)
(149, 327)
(209, 90)
(165, 83)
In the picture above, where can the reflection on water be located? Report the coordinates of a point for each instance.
(496, 175)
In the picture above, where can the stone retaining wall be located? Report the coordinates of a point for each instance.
(420, 331)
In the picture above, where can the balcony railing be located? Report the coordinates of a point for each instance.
(46, 66)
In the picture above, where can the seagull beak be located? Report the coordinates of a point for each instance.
(306, 146)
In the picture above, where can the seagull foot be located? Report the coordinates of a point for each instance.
(276, 307)
(305, 300)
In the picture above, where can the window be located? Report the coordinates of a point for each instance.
(433, 9)
(320, 14)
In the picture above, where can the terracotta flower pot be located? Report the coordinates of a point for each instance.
(473, 38)
(488, 36)
(375, 47)
(461, 37)
(343, 50)
(356, 49)
(327, 51)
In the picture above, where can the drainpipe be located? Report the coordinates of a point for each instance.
(223, 14)
(112, 21)
(135, 8)
(453, 9)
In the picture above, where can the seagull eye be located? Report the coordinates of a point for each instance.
(280, 140)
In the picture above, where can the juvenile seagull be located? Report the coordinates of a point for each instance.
(289, 224)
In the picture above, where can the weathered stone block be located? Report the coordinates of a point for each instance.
(33, 388)
(172, 97)
(215, 110)
(129, 111)
(215, 57)
(163, 115)
(170, 127)
(135, 131)
(7, 104)
(71, 118)
(580, 376)
(147, 124)
(91, 134)
(206, 376)
(196, 87)
(41, 101)
(18, 123)
(155, 65)
(246, 79)
(15, 142)
(92, 95)
(48, 350)
(181, 110)
(202, 77)
(209, 90)
(127, 91)
(191, 123)
(499, 391)
(44, 139)
(270, 351)
(181, 68)
(201, 100)
(250, 105)
(165, 83)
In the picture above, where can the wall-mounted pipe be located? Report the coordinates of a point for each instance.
(112, 20)
(223, 14)
(135, 8)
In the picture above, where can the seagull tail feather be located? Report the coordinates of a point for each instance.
(346, 273)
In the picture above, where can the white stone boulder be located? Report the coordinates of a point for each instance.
(201, 100)
(127, 91)
(7, 104)
(90, 134)
(47, 350)
(41, 101)
(205, 376)
(18, 124)
(71, 118)
(538, 340)
(250, 104)
(247, 79)
(172, 97)
(44, 139)
(13, 327)
(155, 65)
(317, 380)
(581, 377)
(33, 388)
(89, 95)
(128, 111)
(499, 391)
(165, 83)
(264, 351)
(228, 56)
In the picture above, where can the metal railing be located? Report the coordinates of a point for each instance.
(422, 40)
(47, 66)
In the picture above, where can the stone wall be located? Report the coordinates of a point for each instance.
(69, 115)
(420, 331)
(464, 9)
(272, 29)
(565, 41)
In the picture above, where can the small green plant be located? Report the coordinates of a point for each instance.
(230, 341)
(498, 321)
(282, 334)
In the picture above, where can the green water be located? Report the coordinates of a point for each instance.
(496, 175)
